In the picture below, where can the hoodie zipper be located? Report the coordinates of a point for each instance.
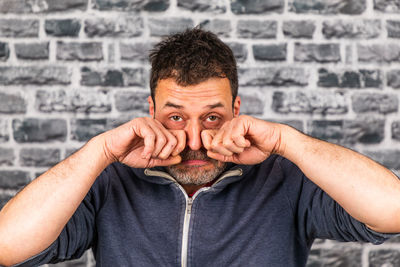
(189, 204)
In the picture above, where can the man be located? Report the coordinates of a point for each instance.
(196, 184)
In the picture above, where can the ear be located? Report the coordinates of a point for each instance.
(151, 106)
(236, 106)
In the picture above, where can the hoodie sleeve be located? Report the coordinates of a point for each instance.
(320, 216)
(80, 231)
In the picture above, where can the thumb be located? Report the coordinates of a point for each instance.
(220, 157)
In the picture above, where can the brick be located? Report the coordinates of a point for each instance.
(167, 26)
(350, 7)
(351, 29)
(6, 157)
(113, 77)
(62, 27)
(39, 130)
(70, 151)
(35, 75)
(396, 130)
(12, 104)
(15, 6)
(256, 29)
(19, 28)
(239, 51)
(209, 6)
(135, 51)
(393, 28)
(122, 26)
(32, 51)
(348, 132)
(389, 159)
(321, 53)
(275, 52)
(251, 105)
(373, 102)
(85, 129)
(43, 6)
(132, 101)
(387, 6)
(78, 101)
(298, 28)
(350, 78)
(384, 257)
(4, 198)
(38, 157)
(297, 124)
(13, 179)
(379, 53)
(4, 51)
(221, 27)
(4, 130)
(256, 7)
(288, 76)
(393, 78)
(309, 102)
(62, 5)
(89, 51)
(340, 255)
(395, 239)
(132, 5)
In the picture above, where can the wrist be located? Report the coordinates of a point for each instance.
(99, 145)
(292, 143)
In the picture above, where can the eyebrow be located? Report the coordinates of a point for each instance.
(211, 106)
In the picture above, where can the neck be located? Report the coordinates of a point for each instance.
(191, 189)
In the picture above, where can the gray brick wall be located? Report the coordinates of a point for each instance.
(70, 69)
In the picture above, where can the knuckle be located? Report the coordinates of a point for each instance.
(162, 140)
(173, 142)
(227, 142)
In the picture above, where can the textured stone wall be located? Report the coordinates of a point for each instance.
(70, 69)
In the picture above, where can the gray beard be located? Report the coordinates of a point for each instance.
(195, 175)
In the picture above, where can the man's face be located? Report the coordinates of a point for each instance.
(207, 105)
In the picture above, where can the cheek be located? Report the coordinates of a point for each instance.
(173, 125)
(213, 125)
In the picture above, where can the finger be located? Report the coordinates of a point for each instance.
(149, 137)
(219, 157)
(238, 133)
(207, 137)
(160, 139)
(172, 160)
(228, 142)
(241, 141)
(217, 146)
(180, 135)
(169, 146)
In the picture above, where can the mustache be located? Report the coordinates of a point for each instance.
(201, 154)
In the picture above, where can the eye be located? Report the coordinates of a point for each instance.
(212, 118)
(176, 118)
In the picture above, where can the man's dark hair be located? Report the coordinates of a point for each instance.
(191, 57)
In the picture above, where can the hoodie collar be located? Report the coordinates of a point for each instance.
(159, 175)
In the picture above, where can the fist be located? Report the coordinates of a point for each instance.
(144, 143)
(243, 140)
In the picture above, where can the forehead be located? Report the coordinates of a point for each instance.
(204, 93)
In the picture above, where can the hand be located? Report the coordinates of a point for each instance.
(243, 140)
(144, 143)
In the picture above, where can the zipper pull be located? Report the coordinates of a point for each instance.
(189, 207)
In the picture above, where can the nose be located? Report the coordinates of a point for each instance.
(193, 135)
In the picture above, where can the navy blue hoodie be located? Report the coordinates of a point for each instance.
(263, 215)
